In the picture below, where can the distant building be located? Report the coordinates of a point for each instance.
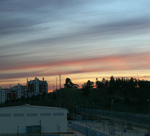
(34, 87)
(20, 91)
(2, 95)
(13, 93)
(29, 119)
(37, 86)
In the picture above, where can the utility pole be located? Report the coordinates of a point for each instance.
(60, 90)
(60, 81)
(56, 83)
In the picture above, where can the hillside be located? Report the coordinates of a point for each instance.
(97, 98)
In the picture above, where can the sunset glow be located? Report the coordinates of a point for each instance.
(81, 40)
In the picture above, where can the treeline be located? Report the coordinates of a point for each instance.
(122, 83)
(122, 86)
(112, 83)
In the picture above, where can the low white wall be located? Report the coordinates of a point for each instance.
(51, 119)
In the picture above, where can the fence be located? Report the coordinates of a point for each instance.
(141, 120)
(87, 131)
(104, 129)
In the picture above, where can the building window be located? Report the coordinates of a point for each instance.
(18, 115)
(58, 114)
(45, 114)
(5, 115)
(32, 114)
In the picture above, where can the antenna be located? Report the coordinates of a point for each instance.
(60, 81)
(56, 83)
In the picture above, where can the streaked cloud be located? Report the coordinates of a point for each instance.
(100, 64)
(44, 38)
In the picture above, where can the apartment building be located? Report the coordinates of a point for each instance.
(34, 87)
(19, 91)
(2, 95)
(37, 86)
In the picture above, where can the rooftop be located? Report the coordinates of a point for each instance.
(33, 106)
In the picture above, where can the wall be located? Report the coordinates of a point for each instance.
(14, 119)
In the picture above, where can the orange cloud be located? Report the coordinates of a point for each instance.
(109, 60)
(99, 64)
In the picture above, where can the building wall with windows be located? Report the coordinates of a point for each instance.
(20, 90)
(21, 119)
(34, 87)
(2, 96)
(37, 86)
(13, 93)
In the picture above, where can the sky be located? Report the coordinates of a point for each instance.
(79, 39)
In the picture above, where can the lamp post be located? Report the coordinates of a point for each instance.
(40, 128)
(97, 123)
(81, 114)
(58, 128)
(17, 130)
(97, 118)
(73, 111)
(93, 115)
(112, 133)
(86, 113)
(149, 113)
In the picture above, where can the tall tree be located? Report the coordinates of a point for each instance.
(69, 84)
(86, 86)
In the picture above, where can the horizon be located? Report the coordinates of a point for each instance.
(81, 40)
(62, 85)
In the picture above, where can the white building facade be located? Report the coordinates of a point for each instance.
(37, 86)
(20, 90)
(29, 119)
(34, 87)
(2, 96)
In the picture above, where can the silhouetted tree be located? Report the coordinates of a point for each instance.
(132, 83)
(89, 84)
(69, 84)
(22, 98)
(86, 86)
(54, 96)
(7, 101)
(143, 84)
(99, 84)
(33, 98)
(112, 85)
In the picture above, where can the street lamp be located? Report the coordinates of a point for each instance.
(58, 128)
(97, 123)
(93, 115)
(97, 118)
(73, 111)
(86, 113)
(17, 130)
(81, 114)
(149, 114)
(112, 119)
(40, 128)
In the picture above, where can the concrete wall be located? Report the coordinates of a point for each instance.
(14, 119)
